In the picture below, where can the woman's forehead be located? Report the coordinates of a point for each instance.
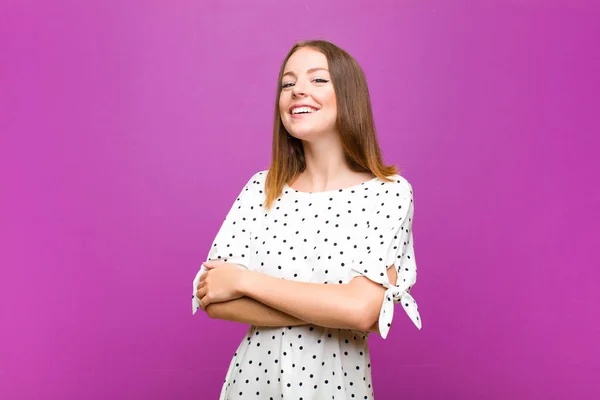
(305, 59)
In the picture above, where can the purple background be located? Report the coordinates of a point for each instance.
(128, 128)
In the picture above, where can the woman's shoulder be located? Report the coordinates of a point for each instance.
(258, 178)
(397, 185)
(255, 186)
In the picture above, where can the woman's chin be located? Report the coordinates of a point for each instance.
(303, 134)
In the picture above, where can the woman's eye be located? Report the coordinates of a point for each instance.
(290, 84)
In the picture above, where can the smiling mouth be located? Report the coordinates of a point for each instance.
(303, 111)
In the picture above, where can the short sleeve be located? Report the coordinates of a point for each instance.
(389, 240)
(232, 242)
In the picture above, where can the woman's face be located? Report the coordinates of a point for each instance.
(307, 103)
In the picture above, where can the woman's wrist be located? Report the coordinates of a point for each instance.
(245, 282)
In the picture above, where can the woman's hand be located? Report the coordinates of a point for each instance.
(219, 284)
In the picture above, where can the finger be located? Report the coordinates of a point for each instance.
(205, 302)
(201, 293)
(213, 264)
(200, 285)
(208, 264)
(203, 277)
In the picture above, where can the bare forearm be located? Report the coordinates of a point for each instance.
(332, 306)
(252, 312)
(246, 310)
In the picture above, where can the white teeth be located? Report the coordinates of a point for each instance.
(298, 110)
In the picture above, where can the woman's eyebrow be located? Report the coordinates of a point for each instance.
(309, 71)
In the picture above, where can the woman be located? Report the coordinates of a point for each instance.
(315, 251)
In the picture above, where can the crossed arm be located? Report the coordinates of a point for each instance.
(269, 301)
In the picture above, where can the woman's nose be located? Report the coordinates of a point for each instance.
(298, 90)
(298, 93)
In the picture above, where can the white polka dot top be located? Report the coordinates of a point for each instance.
(325, 237)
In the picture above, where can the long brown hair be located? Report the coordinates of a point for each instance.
(354, 123)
